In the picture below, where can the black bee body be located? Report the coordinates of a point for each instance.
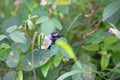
(54, 36)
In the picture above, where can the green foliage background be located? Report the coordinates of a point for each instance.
(85, 51)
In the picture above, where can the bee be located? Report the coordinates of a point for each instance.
(45, 42)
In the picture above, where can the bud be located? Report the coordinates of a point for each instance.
(30, 24)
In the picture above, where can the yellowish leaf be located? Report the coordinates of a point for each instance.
(67, 48)
(63, 2)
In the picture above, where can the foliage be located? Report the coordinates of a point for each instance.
(85, 50)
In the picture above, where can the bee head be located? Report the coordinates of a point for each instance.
(55, 36)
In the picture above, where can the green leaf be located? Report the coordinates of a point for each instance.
(64, 53)
(94, 39)
(62, 77)
(4, 49)
(116, 47)
(20, 46)
(39, 11)
(11, 28)
(111, 9)
(116, 58)
(91, 47)
(45, 68)
(47, 27)
(110, 40)
(8, 23)
(18, 37)
(64, 9)
(40, 57)
(68, 74)
(19, 75)
(52, 74)
(56, 23)
(12, 59)
(105, 61)
(2, 37)
(63, 39)
(10, 75)
(83, 75)
(57, 59)
(66, 47)
(114, 18)
(54, 49)
(4, 52)
(4, 46)
(85, 57)
(42, 19)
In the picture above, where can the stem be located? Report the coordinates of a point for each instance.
(75, 19)
(33, 41)
(118, 65)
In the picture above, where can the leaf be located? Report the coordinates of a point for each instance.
(4, 46)
(63, 9)
(40, 57)
(91, 47)
(45, 68)
(54, 49)
(64, 53)
(111, 9)
(10, 75)
(114, 18)
(2, 37)
(116, 47)
(63, 2)
(12, 59)
(110, 40)
(8, 23)
(63, 39)
(83, 75)
(85, 57)
(62, 77)
(66, 47)
(42, 19)
(19, 75)
(4, 49)
(47, 27)
(20, 46)
(39, 11)
(116, 58)
(57, 59)
(94, 39)
(11, 28)
(56, 23)
(52, 75)
(68, 74)
(105, 61)
(18, 37)
(4, 52)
